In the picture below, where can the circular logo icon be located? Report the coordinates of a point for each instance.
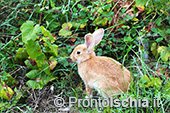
(59, 102)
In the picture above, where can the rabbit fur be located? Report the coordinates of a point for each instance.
(104, 74)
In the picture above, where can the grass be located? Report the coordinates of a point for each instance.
(124, 40)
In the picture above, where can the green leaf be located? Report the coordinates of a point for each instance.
(99, 21)
(158, 21)
(154, 49)
(34, 52)
(33, 49)
(5, 91)
(153, 81)
(10, 80)
(78, 25)
(54, 50)
(40, 59)
(83, 25)
(52, 4)
(32, 74)
(67, 26)
(34, 84)
(29, 65)
(46, 33)
(107, 6)
(140, 3)
(164, 52)
(79, 6)
(40, 82)
(50, 48)
(21, 54)
(168, 31)
(165, 55)
(127, 39)
(29, 31)
(144, 80)
(159, 40)
(154, 30)
(53, 62)
(64, 32)
(43, 64)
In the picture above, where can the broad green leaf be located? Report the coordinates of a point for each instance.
(135, 19)
(41, 59)
(34, 84)
(46, 33)
(164, 52)
(43, 64)
(46, 68)
(127, 39)
(33, 49)
(144, 80)
(29, 31)
(64, 32)
(165, 55)
(5, 91)
(53, 62)
(83, 25)
(29, 65)
(54, 50)
(107, 6)
(153, 81)
(10, 80)
(154, 49)
(34, 52)
(140, 3)
(67, 26)
(40, 82)
(21, 54)
(154, 30)
(79, 6)
(158, 21)
(99, 21)
(78, 25)
(168, 31)
(32, 74)
(159, 39)
(50, 48)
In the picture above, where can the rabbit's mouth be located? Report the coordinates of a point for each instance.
(72, 58)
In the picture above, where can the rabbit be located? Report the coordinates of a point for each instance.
(104, 74)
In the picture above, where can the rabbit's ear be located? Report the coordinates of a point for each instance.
(89, 41)
(98, 35)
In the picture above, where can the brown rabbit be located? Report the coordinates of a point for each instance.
(104, 74)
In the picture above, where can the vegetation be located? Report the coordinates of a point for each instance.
(37, 37)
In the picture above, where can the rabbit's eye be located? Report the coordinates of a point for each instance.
(78, 52)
